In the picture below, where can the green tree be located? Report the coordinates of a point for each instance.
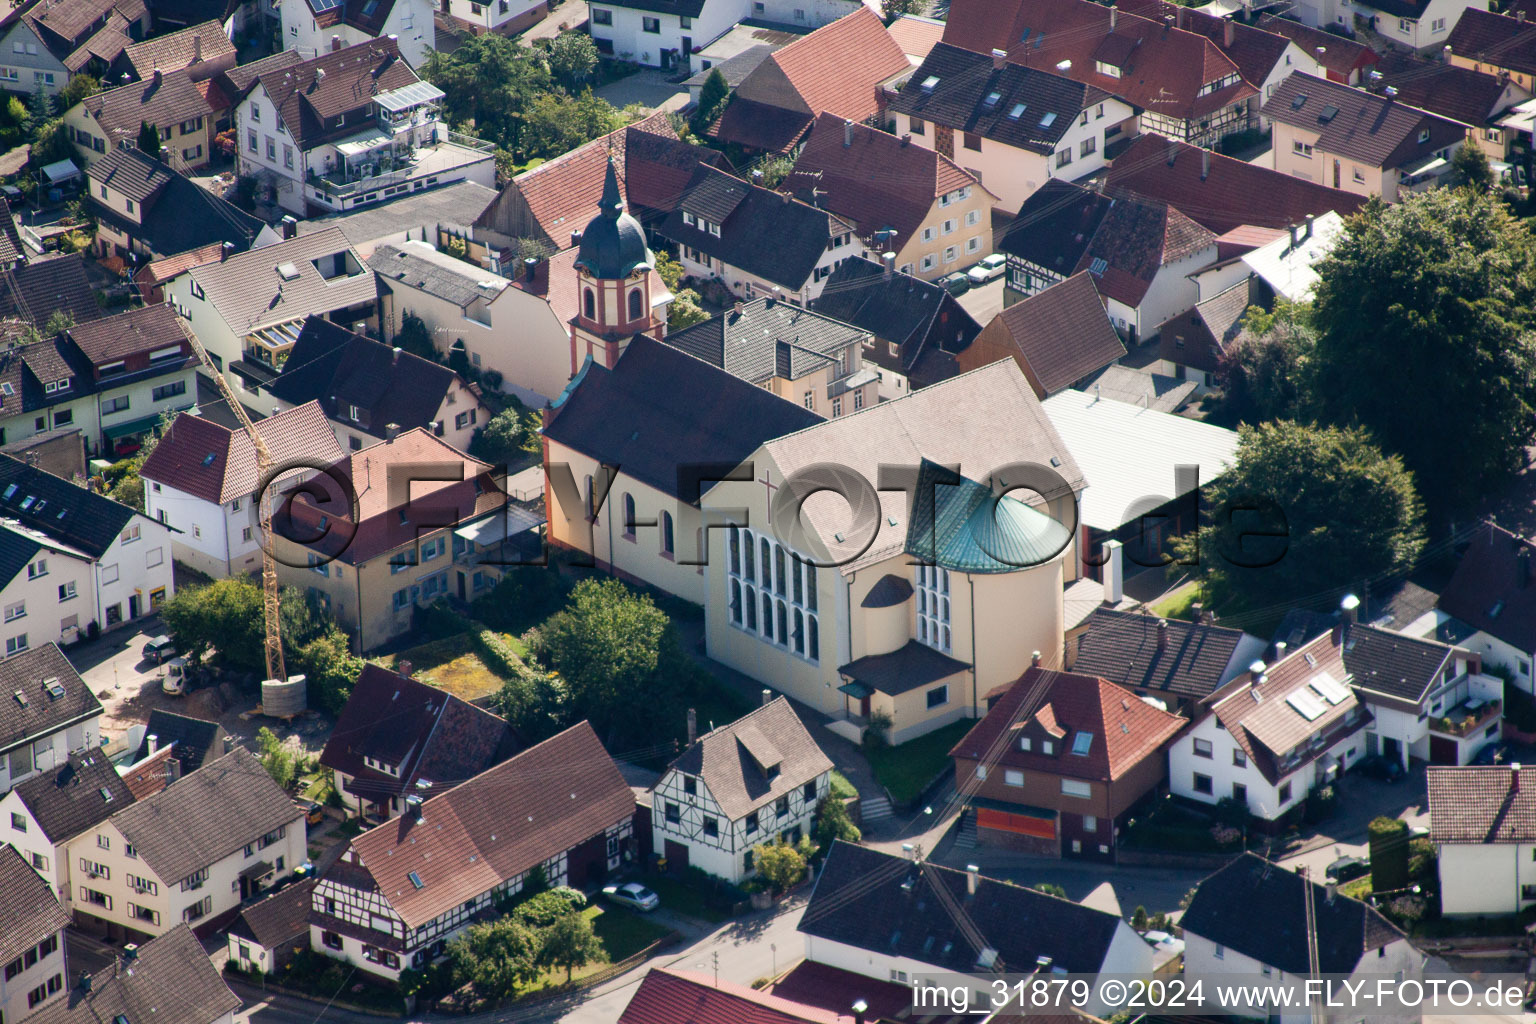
(330, 668)
(535, 702)
(897, 8)
(416, 338)
(1471, 168)
(1332, 510)
(1139, 919)
(712, 96)
(685, 310)
(508, 436)
(39, 106)
(570, 943)
(149, 139)
(487, 82)
(1424, 315)
(227, 617)
(554, 123)
(280, 762)
(669, 270)
(1389, 846)
(1050, 889)
(775, 170)
(495, 958)
(79, 87)
(1263, 373)
(128, 486)
(50, 142)
(59, 321)
(832, 823)
(572, 58)
(15, 112)
(781, 865)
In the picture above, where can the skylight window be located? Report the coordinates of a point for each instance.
(1016, 112)
(1299, 101)
(1082, 743)
(54, 688)
(415, 879)
(106, 794)
(1098, 266)
(1025, 37)
(10, 492)
(930, 83)
(7, 388)
(1329, 113)
(288, 271)
(208, 459)
(21, 698)
(26, 503)
(1048, 120)
(992, 100)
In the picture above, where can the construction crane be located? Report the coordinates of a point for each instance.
(274, 638)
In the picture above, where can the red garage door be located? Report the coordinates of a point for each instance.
(1023, 824)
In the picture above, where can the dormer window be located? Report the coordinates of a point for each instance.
(1423, 135)
(1105, 68)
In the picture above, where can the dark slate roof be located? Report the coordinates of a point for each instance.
(340, 369)
(313, 94)
(68, 800)
(1393, 664)
(173, 983)
(26, 709)
(1482, 804)
(888, 591)
(768, 235)
(682, 8)
(1122, 647)
(238, 81)
(1197, 337)
(278, 919)
(735, 760)
(613, 243)
(908, 667)
(176, 215)
(963, 99)
(59, 509)
(1368, 127)
(1464, 95)
(17, 550)
(1056, 226)
(29, 911)
(1250, 889)
(1063, 333)
(764, 337)
(861, 899)
(1494, 587)
(195, 740)
(1499, 40)
(430, 735)
(925, 322)
(733, 69)
(660, 409)
(1399, 8)
(11, 248)
(39, 289)
(753, 125)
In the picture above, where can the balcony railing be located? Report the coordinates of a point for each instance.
(1467, 717)
(402, 167)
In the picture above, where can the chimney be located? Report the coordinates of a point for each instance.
(1520, 17)
(1390, 92)
(888, 263)
(335, 43)
(693, 726)
(1292, 229)
(1034, 659)
(1333, 891)
(396, 358)
(906, 140)
(391, 431)
(290, 226)
(154, 743)
(130, 952)
(847, 134)
(1349, 609)
(226, 251)
(757, 177)
(1230, 32)
(197, 49)
(1514, 777)
(158, 77)
(972, 875)
(1162, 635)
(1205, 165)
(1310, 219)
(1446, 53)
(403, 666)
(1114, 16)
(860, 1008)
(1173, 152)
(1167, 23)
(1256, 674)
(767, 696)
(1000, 58)
(530, 267)
(1114, 572)
(736, 307)
(172, 769)
(575, 239)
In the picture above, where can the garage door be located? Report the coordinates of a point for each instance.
(1442, 750)
(1023, 824)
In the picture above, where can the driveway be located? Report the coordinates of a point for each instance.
(984, 302)
(649, 88)
(1362, 799)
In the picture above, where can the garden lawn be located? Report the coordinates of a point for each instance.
(683, 899)
(1178, 605)
(452, 664)
(622, 932)
(841, 787)
(906, 771)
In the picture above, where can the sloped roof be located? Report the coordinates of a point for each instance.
(120, 112)
(755, 125)
(970, 95)
(151, 775)
(173, 983)
(877, 183)
(860, 900)
(666, 996)
(178, 50)
(1136, 239)
(1001, 422)
(176, 214)
(726, 759)
(1055, 226)
(909, 667)
(1374, 129)
(42, 287)
(1123, 648)
(836, 68)
(238, 81)
(551, 797)
(1063, 333)
(660, 409)
(962, 526)
(1227, 904)
(429, 735)
(212, 462)
(206, 815)
(1218, 191)
(1461, 94)
(1482, 804)
(1255, 51)
(280, 918)
(133, 332)
(765, 338)
(79, 794)
(916, 35)
(417, 264)
(313, 94)
(11, 248)
(1340, 55)
(249, 292)
(60, 510)
(1197, 337)
(1394, 664)
(1493, 589)
(27, 709)
(1497, 40)
(195, 739)
(29, 911)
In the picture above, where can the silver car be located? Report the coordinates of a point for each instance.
(632, 895)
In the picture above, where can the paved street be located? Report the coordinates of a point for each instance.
(984, 302)
(649, 88)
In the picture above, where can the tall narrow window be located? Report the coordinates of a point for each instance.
(767, 615)
(735, 551)
(933, 607)
(780, 584)
(629, 517)
(636, 304)
(666, 533)
(736, 602)
(748, 568)
(589, 304)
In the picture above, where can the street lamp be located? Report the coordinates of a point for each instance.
(774, 948)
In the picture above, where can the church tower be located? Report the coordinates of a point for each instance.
(615, 277)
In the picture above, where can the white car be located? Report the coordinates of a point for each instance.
(1163, 942)
(175, 682)
(989, 269)
(632, 895)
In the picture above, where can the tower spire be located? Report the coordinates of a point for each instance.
(612, 203)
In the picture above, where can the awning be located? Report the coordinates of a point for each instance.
(856, 690)
(257, 870)
(413, 95)
(494, 529)
(63, 170)
(142, 425)
(1430, 165)
(364, 142)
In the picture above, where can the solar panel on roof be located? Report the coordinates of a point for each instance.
(1306, 705)
(323, 5)
(1329, 688)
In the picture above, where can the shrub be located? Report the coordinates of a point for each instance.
(877, 733)
(498, 657)
(833, 823)
(543, 909)
(1389, 853)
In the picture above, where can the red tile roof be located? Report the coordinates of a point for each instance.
(550, 798)
(1477, 804)
(878, 182)
(1136, 240)
(161, 271)
(677, 997)
(1124, 729)
(837, 67)
(915, 35)
(1062, 334)
(1340, 56)
(1164, 68)
(555, 279)
(1254, 51)
(182, 458)
(814, 984)
(1218, 191)
(150, 775)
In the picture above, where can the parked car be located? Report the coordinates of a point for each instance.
(1492, 753)
(1347, 868)
(177, 679)
(956, 283)
(159, 649)
(314, 814)
(1379, 766)
(632, 895)
(989, 269)
(1163, 942)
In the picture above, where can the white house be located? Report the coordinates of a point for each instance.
(666, 35)
(1493, 601)
(82, 562)
(892, 919)
(43, 815)
(1269, 737)
(32, 941)
(760, 778)
(1416, 24)
(505, 16)
(265, 934)
(1250, 920)
(191, 853)
(1481, 821)
(202, 481)
(349, 128)
(51, 713)
(313, 27)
